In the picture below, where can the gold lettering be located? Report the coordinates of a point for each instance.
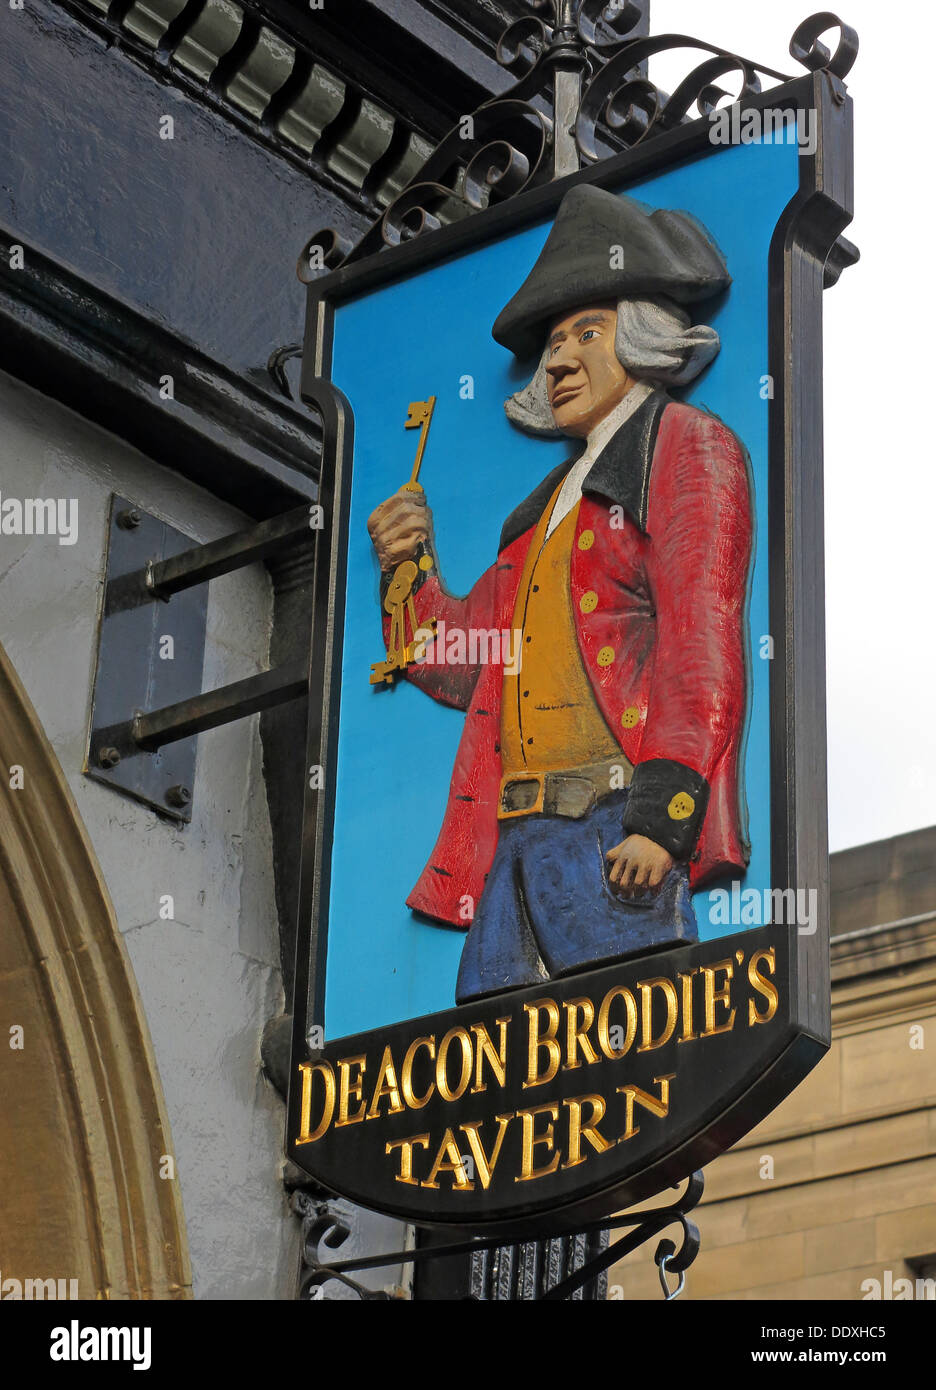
(386, 1086)
(715, 996)
(497, 1057)
(307, 1070)
(485, 1166)
(576, 1034)
(406, 1156)
(578, 1131)
(604, 1035)
(685, 979)
(763, 986)
(449, 1149)
(531, 1139)
(348, 1090)
(551, 1008)
(647, 1041)
(406, 1074)
(656, 1107)
(445, 1091)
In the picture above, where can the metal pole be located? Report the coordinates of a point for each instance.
(567, 88)
(159, 727)
(204, 562)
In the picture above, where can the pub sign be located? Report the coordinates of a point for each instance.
(563, 933)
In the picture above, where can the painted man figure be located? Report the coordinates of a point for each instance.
(598, 785)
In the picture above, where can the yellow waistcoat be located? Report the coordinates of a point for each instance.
(550, 719)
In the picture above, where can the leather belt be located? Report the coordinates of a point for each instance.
(573, 792)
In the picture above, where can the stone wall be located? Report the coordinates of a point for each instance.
(209, 977)
(837, 1188)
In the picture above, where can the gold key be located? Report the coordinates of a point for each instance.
(419, 418)
(398, 601)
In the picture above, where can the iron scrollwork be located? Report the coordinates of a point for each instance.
(323, 1225)
(499, 1271)
(581, 93)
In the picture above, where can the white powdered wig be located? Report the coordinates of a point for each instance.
(655, 340)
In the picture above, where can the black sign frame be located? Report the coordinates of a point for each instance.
(801, 263)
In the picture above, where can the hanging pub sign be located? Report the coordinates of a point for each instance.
(564, 923)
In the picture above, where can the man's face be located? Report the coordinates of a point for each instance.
(585, 379)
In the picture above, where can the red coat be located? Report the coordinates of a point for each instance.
(668, 506)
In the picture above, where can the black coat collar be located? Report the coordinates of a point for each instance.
(621, 472)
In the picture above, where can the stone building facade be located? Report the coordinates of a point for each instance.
(834, 1195)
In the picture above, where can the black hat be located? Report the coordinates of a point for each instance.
(661, 252)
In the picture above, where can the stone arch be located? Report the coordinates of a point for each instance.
(83, 1124)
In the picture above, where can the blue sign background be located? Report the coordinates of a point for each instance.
(426, 335)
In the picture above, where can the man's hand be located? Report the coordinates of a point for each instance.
(637, 863)
(398, 526)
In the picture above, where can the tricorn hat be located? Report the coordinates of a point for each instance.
(603, 246)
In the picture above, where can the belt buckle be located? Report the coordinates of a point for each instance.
(539, 778)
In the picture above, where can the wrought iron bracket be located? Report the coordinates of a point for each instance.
(151, 647)
(323, 1225)
(581, 91)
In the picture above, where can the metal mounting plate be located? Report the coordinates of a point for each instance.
(134, 674)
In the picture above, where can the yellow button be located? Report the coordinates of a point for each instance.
(586, 540)
(630, 717)
(605, 656)
(681, 807)
(589, 601)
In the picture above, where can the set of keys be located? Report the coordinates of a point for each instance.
(398, 601)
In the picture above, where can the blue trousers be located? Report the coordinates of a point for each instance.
(547, 908)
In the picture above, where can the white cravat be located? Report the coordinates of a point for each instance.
(596, 441)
